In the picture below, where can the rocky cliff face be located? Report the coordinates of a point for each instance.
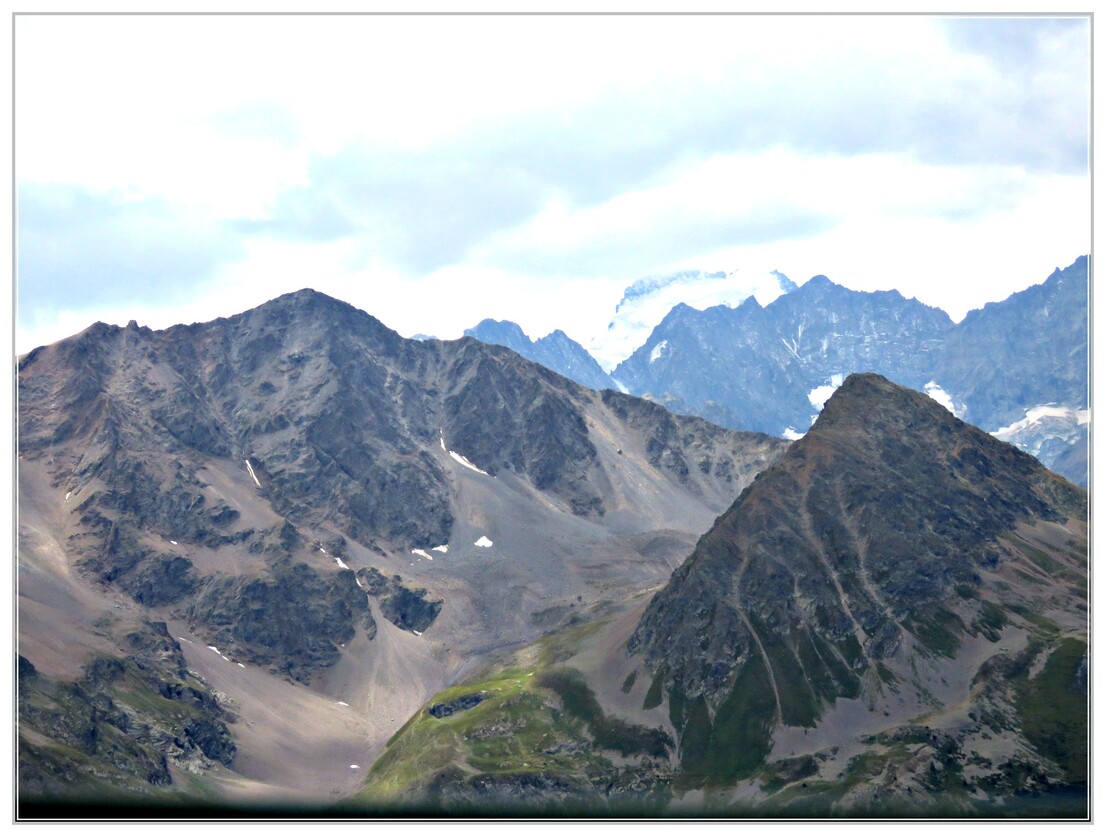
(122, 727)
(759, 368)
(1026, 351)
(884, 557)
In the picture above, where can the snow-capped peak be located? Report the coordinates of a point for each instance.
(646, 302)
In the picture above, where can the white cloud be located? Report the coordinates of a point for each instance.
(437, 170)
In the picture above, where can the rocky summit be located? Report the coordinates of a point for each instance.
(881, 614)
(331, 522)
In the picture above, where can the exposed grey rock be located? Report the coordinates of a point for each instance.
(556, 351)
(412, 609)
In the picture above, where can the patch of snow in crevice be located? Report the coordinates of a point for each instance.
(354, 766)
(792, 347)
(442, 548)
(342, 703)
(182, 639)
(67, 495)
(466, 463)
(658, 351)
(820, 395)
(484, 541)
(417, 633)
(934, 391)
(252, 474)
(241, 666)
(422, 553)
(174, 543)
(625, 390)
(341, 563)
(441, 438)
(323, 551)
(792, 434)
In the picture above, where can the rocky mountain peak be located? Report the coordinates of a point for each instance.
(863, 552)
(556, 351)
(867, 405)
(502, 332)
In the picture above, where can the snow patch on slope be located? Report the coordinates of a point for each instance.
(456, 456)
(1040, 415)
(484, 541)
(658, 351)
(1044, 427)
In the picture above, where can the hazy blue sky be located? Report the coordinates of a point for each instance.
(438, 170)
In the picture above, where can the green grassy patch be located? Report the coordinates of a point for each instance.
(735, 745)
(938, 630)
(655, 694)
(1046, 628)
(798, 704)
(788, 771)
(559, 646)
(608, 733)
(1053, 710)
(966, 591)
(990, 621)
(628, 683)
(1042, 559)
(426, 745)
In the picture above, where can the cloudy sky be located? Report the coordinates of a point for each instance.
(438, 170)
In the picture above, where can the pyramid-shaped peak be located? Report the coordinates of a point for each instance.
(870, 403)
(821, 281)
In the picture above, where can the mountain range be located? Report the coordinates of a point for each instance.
(291, 558)
(770, 367)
